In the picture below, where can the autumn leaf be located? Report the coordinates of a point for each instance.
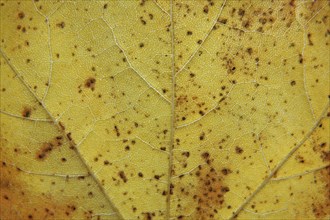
(165, 109)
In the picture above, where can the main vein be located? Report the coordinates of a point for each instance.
(168, 199)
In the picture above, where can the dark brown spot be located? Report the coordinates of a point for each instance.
(21, 15)
(238, 150)
(122, 176)
(226, 171)
(206, 9)
(61, 24)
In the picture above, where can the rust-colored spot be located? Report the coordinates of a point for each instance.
(26, 113)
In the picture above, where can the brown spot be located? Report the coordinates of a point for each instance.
(223, 21)
(226, 171)
(122, 176)
(21, 15)
(309, 36)
(230, 66)
(249, 50)
(241, 12)
(90, 83)
(293, 83)
(61, 24)
(68, 135)
(301, 59)
(238, 150)
(202, 136)
(61, 126)
(26, 113)
(205, 155)
(206, 9)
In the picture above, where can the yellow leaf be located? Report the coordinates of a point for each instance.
(165, 109)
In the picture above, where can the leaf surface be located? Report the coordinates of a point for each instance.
(165, 109)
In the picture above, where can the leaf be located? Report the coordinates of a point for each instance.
(165, 109)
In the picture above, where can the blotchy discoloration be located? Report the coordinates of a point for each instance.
(321, 207)
(15, 191)
(209, 196)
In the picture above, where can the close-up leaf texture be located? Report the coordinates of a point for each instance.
(164, 109)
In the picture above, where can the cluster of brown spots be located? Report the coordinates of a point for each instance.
(143, 21)
(26, 113)
(324, 151)
(210, 190)
(182, 99)
(49, 147)
(90, 83)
